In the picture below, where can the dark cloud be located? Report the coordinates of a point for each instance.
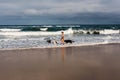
(81, 18)
(59, 11)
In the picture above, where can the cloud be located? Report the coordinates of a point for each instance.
(56, 7)
(59, 11)
(65, 8)
(81, 18)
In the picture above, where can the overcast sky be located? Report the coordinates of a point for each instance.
(59, 12)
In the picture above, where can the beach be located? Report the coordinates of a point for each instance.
(93, 62)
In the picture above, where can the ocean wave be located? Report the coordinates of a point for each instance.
(110, 31)
(9, 30)
(36, 33)
(47, 26)
(106, 31)
(43, 29)
(54, 31)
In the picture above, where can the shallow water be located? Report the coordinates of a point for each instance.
(13, 42)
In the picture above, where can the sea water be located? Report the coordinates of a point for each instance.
(30, 36)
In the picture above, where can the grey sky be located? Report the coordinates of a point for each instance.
(59, 11)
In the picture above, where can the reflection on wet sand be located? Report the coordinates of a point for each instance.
(80, 63)
(63, 54)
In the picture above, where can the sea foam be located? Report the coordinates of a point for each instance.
(9, 30)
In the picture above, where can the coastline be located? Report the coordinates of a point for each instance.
(94, 62)
(59, 46)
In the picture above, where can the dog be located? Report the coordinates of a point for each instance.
(52, 41)
(48, 40)
(68, 41)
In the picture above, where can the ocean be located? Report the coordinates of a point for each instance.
(32, 36)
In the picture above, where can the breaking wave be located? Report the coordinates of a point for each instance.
(37, 33)
(106, 31)
(9, 30)
(53, 31)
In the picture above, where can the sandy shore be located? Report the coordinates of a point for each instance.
(100, 62)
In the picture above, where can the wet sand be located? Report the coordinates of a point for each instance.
(100, 62)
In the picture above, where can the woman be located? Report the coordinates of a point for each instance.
(62, 38)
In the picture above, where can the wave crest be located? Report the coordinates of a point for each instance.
(36, 33)
(106, 31)
(9, 30)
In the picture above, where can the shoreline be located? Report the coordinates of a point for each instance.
(59, 46)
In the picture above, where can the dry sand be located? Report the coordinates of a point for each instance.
(100, 62)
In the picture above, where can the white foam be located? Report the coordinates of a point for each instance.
(37, 33)
(43, 29)
(85, 31)
(79, 31)
(56, 46)
(47, 26)
(9, 30)
(108, 31)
